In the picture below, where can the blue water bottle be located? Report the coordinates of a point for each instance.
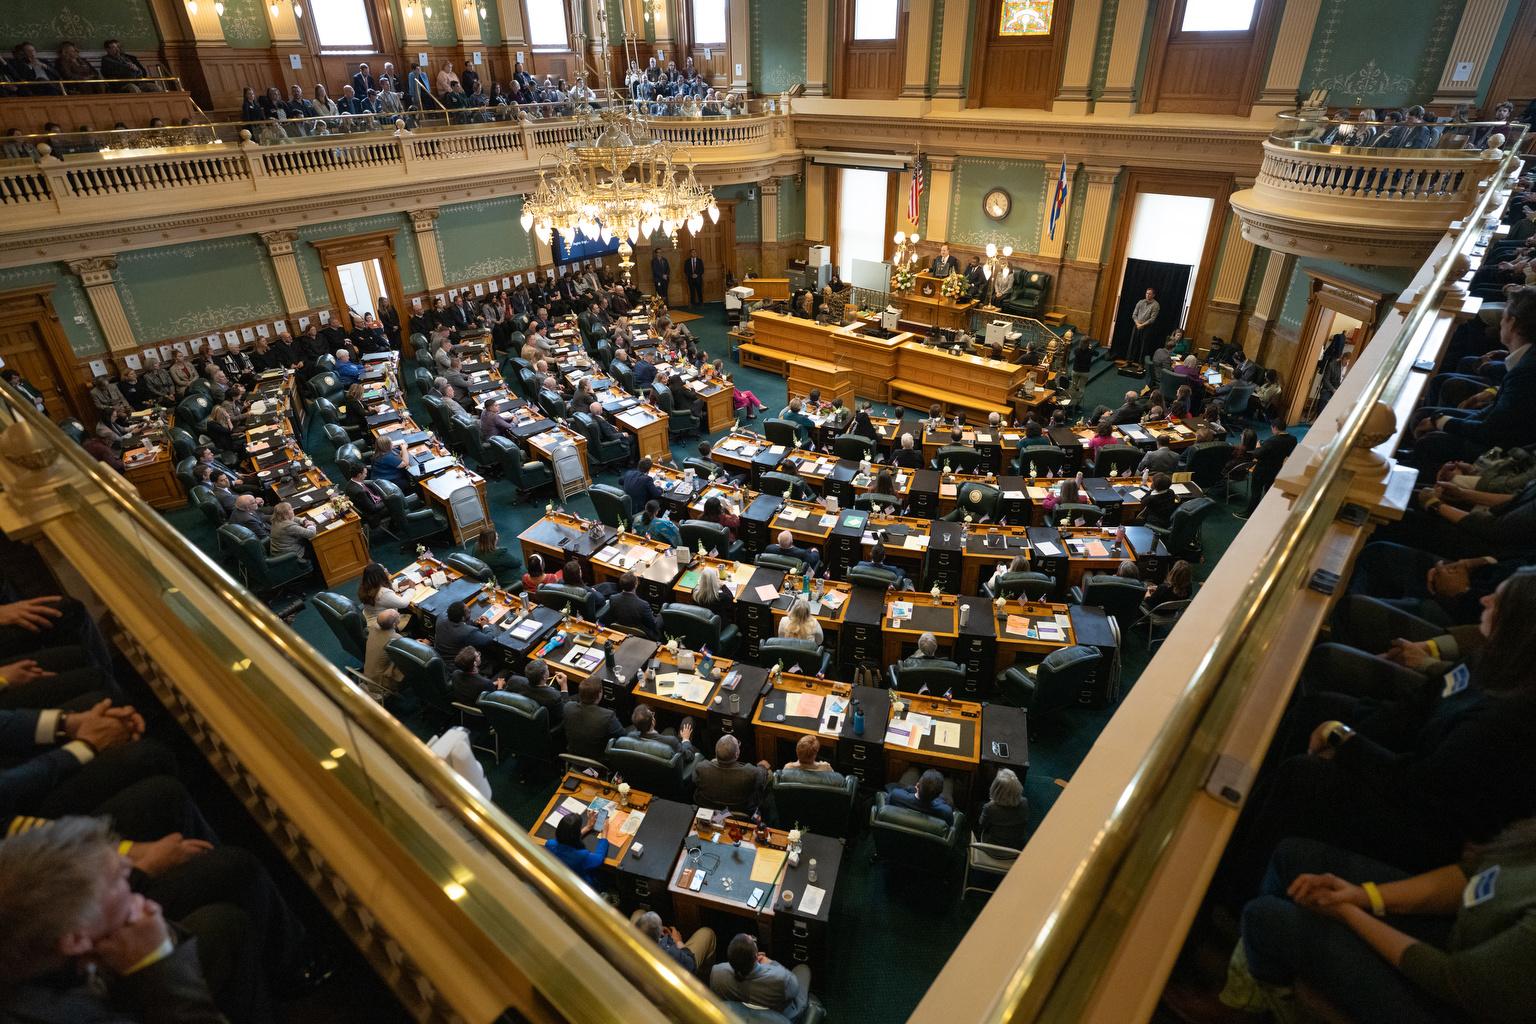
(858, 719)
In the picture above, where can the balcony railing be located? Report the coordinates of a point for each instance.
(1368, 191)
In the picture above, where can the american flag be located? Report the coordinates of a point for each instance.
(915, 194)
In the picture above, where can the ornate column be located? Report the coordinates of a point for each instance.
(1122, 82)
(914, 84)
(283, 27)
(1077, 66)
(285, 264)
(188, 37)
(816, 203)
(816, 47)
(96, 275)
(1470, 51)
(955, 32)
(941, 186)
(1266, 309)
(1237, 257)
(1096, 210)
(1283, 82)
(510, 14)
(739, 45)
(424, 223)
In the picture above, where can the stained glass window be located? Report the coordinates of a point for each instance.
(1026, 17)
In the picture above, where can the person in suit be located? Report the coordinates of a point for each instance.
(606, 433)
(362, 493)
(377, 666)
(454, 632)
(1444, 435)
(627, 608)
(387, 464)
(1162, 459)
(535, 683)
(786, 546)
(247, 513)
(750, 977)
(362, 81)
(943, 264)
(288, 534)
(642, 725)
(588, 725)
(907, 456)
(493, 425)
(726, 782)
(693, 270)
(1158, 505)
(661, 273)
(926, 797)
(1267, 460)
(1004, 818)
(682, 398)
(468, 683)
(349, 102)
(1129, 411)
(876, 563)
(637, 483)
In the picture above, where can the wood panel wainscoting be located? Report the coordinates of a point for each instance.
(1206, 72)
(1017, 71)
(868, 69)
(33, 342)
(99, 113)
(717, 248)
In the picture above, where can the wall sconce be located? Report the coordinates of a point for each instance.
(469, 5)
(275, 7)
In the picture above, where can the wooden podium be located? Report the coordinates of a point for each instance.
(934, 310)
(807, 375)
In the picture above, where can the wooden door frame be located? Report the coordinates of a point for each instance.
(34, 305)
(1517, 49)
(1141, 180)
(981, 36)
(1260, 33)
(376, 245)
(1327, 294)
(843, 38)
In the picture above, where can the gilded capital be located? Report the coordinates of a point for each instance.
(422, 220)
(769, 187)
(93, 270)
(941, 163)
(279, 243)
(1098, 175)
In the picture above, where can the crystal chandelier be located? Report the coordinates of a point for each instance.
(617, 180)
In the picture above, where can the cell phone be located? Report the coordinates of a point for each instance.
(755, 898)
(835, 723)
(570, 783)
(1000, 748)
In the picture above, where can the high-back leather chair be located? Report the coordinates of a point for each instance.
(612, 503)
(1031, 586)
(713, 536)
(938, 674)
(811, 657)
(771, 560)
(522, 728)
(408, 524)
(960, 458)
(567, 597)
(912, 839)
(1207, 461)
(853, 446)
(1069, 512)
(821, 802)
(875, 576)
(680, 422)
(469, 565)
(192, 412)
(601, 453)
(650, 765)
(1046, 458)
(785, 485)
(262, 572)
(698, 628)
(872, 502)
(348, 459)
(1182, 536)
(527, 477)
(1118, 596)
(1116, 458)
(204, 501)
(979, 501)
(1055, 685)
(423, 674)
(785, 432)
(344, 617)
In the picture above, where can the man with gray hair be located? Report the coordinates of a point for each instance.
(693, 955)
(726, 782)
(377, 666)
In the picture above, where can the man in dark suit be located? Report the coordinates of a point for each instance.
(349, 102)
(726, 782)
(360, 492)
(535, 684)
(975, 277)
(943, 264)
(247, 513)
(693, 270)
(637, 483)
(643, 726)
(628, 608)
(908, 456)
(1267, 460)
(468, 683)
(455, 632)
(1449, 434)
(362, 81)
(606, 433)
(927, 797)
(1129, 412)
(786, 547)
(588, 725)
(661, 273)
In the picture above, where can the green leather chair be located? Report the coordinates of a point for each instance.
(1118, 597)
(980, 500)
(1027, 296)
(785, 485)
(327, 385)
(888, 504)
(808, 654)
(713, 536)
(408, 524)
(652, 766)
(423, 674)
(938, 674)
(961, 458)
(680, 422)
(565, 597)
(821, 802)
(785, 432)
(1182, 537)
(912, 839)
(785, 563)
(183, 444)
(346, 621)
(469, 565)
(1050, 687)
(1120, 459)
(469, 441)
(698, 628)
(348, 459)
(1069, 512)
(612, 504)
(875, 578)
(1031, 586)
(522, 729)
(337, 435)
(602, 453)
(1207, 461)
(193, 412)
(263, 573)
(184, 470)
(1046, 458)
(437, 414)
(204, 501)
(527, 477)
(853, 446)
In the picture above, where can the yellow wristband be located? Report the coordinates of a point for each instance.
(1434, 648)
(124, 846)
(1378, 905)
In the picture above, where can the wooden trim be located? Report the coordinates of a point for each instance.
(34, 305)
(1327, 294)
(892, 209)
(1260, 34)
(982, 37)
(846, 43)
(1143, 180)
(1515, 62)
(335, 252)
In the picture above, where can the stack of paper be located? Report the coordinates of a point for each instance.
(803, 705)
(946, 734)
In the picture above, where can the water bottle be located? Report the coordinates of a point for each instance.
(858, 719)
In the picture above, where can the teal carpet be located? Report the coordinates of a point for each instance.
(893, 935)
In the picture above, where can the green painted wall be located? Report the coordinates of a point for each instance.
(749, 212)
(440, 28)
(406, 257)
(1293, 312)
(86, 22)
(1380, 53)
(791, 209)
(490, 25)
(199, 287)
(245, 26)
(69, 302)
(1101, 46)
(1025, 182)
(778, 45)
(483, 239)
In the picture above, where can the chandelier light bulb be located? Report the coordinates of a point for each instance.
(482, 12)
(527, 221)
(298, 10)
(427, 10)
(410, 8)
(1007, 251)
(273, 8)
(991, 250)
(714, 214)
(900, 238)
(915, 239)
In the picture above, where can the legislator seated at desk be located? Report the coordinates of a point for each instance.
(925, 671)
(588, 725)
(926, 797)
(726, 782)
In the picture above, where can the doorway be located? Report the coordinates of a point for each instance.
(716, 242)
(1333, 361)
(362, 285)
(1335, 306)
(33, 343)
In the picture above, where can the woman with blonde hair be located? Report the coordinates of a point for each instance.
(800, 624)
(710, 593)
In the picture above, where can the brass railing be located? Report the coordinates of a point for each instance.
(1055, 974)
(655, 977)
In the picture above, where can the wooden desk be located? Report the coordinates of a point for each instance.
(719, 399)
(970, 382)
(737, 861)
(779, 340)
(828, 608)
(650, 560)
(904, 747)
(768, 289)
(807, 375)
(987, 547)
(153, 475)
(648, 424)
(1180, 434)
(810, 524)
(734, 576)
(941, 619)
(775, 725)
(559, 536)
(341, 549)
(440, 488)
(1032, 628)
(586, 790)
(544, 444)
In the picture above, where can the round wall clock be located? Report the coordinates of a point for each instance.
(996, 204)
